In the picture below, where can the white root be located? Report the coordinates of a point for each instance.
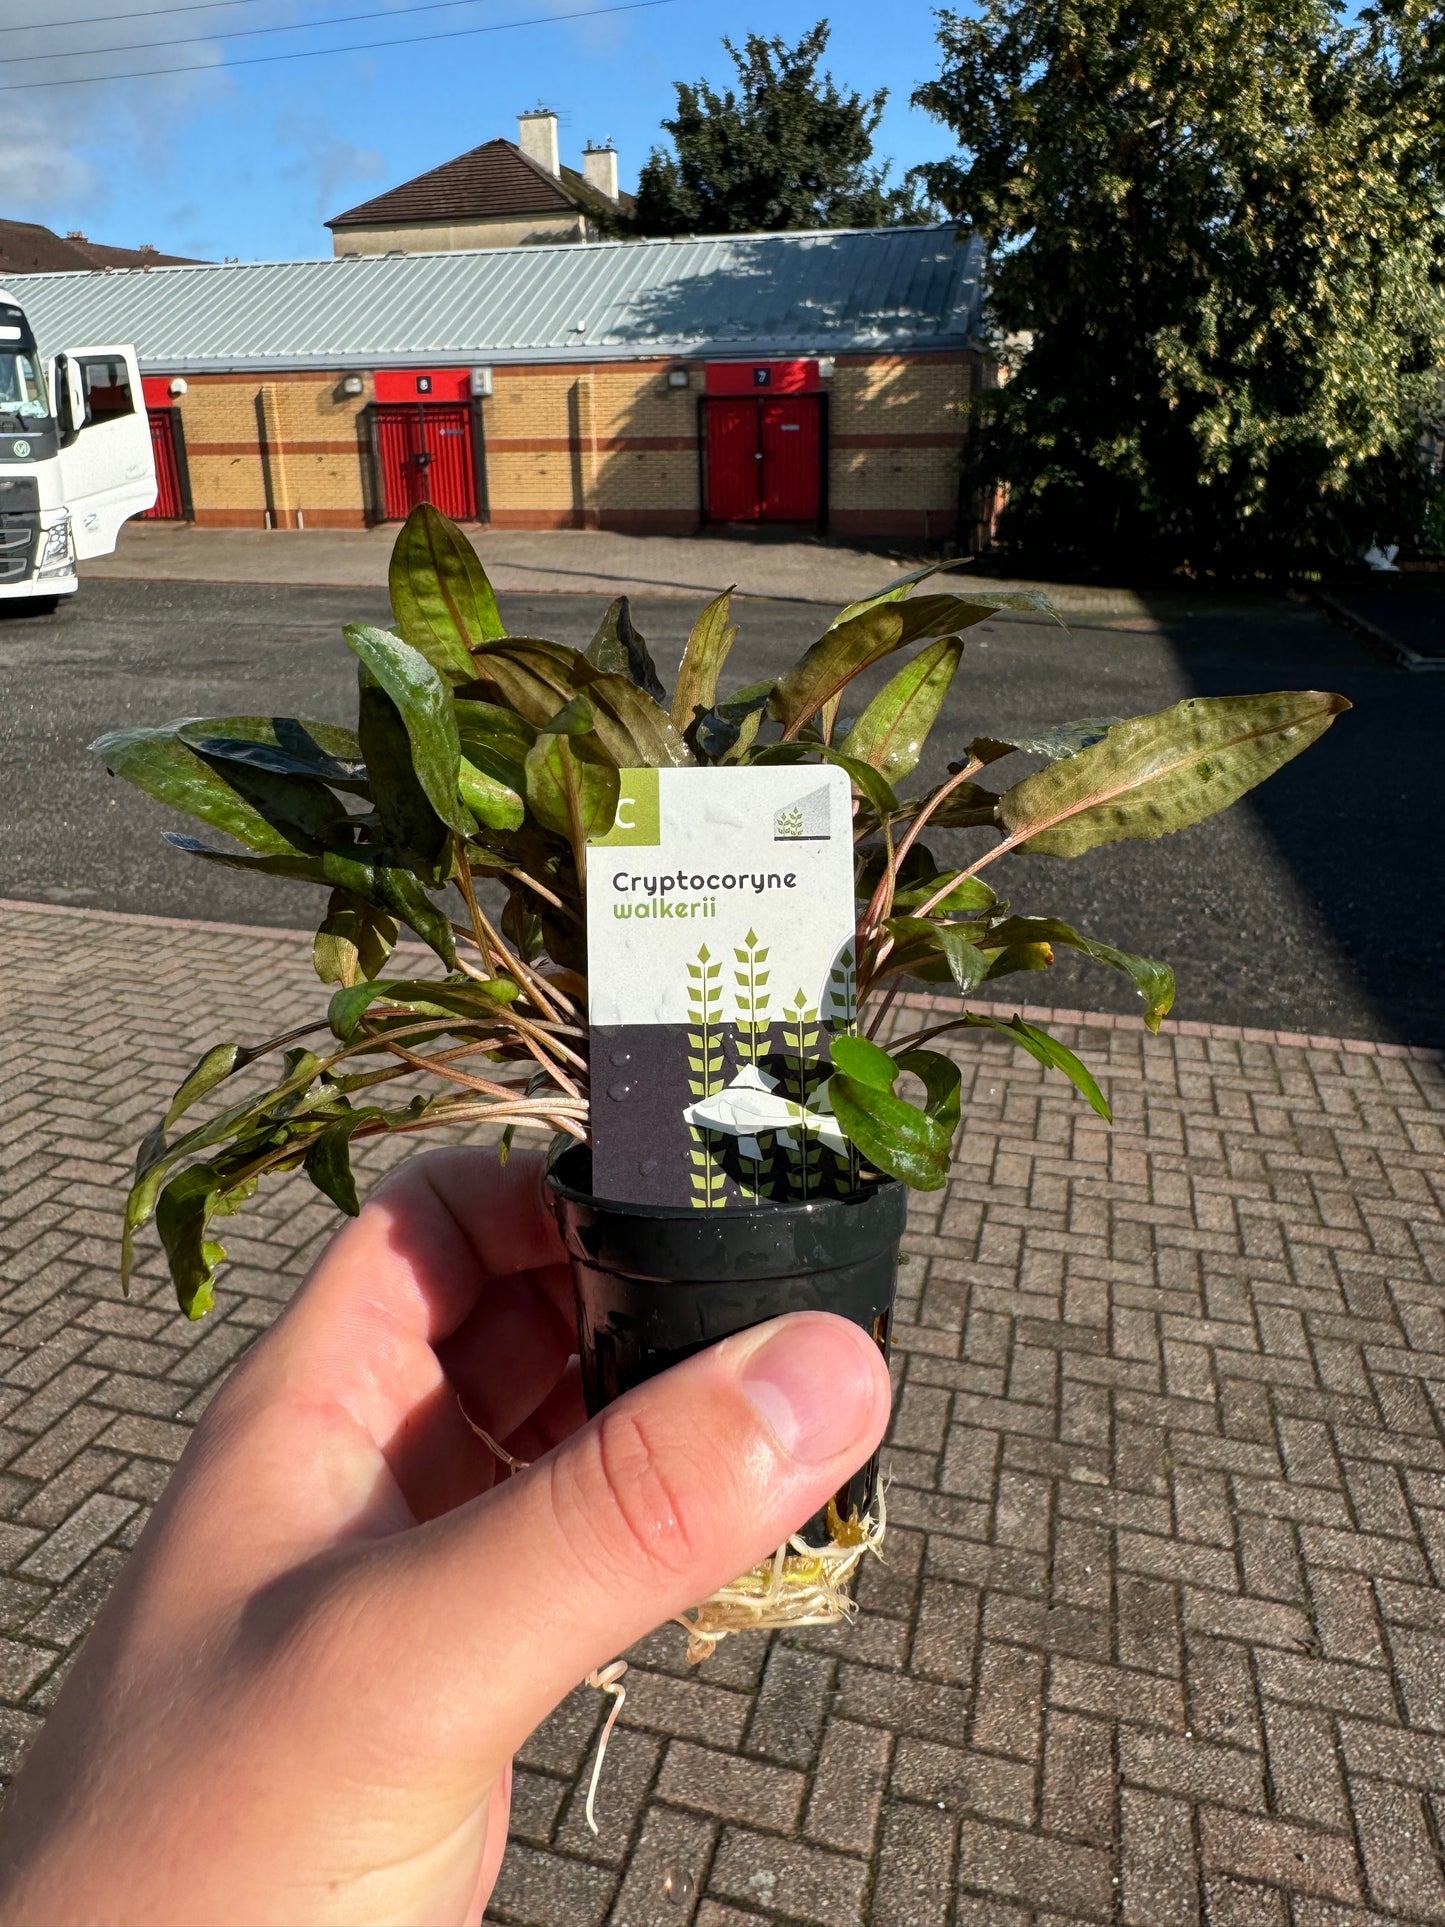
(801, 1585)
(607, 1679)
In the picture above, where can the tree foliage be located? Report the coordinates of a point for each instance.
(787, 149)
(1217, 292)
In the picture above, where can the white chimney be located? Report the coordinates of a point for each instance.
(537, 138)
(599, 169)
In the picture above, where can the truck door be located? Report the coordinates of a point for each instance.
(106, 463)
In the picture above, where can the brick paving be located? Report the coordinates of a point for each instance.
(1161, 1636)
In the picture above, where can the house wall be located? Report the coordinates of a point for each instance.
(421, 237)
(579, 445)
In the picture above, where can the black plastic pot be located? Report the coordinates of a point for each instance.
(656, 1283)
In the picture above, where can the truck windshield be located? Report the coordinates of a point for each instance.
(22, 389)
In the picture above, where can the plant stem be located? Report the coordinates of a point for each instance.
(883, 1008)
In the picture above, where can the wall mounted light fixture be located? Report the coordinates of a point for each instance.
(353, 385)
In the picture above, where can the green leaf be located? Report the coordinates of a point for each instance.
(1153, 980)
(967, 964)
(831, 664)
(712, 638)
(937, 952)
(328, 1160)
(424, 703)
(216, 1065)
(1013, 957)
(404, 813)
(1159, 773)
(864, 1061)
(493, 803)
(728, 729)
(183, 1213)
(1048, 1051)
(633, 730)
(893, 1135)
(896, 590)
(354, 940)
(968, 893)
(533, 678)
(943, 1082)
(842, 653)
(283, 744)
(863, 777)
(496, 739)
(573, 719)
(892, 730)
(440, 595)
(968, 806)
(572, 797)
(261, 809)
(1064, 739)
(618, 649)
(421, 995)
(368, 875)
(917, 879)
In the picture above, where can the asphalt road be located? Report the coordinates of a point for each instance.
(1315, 905)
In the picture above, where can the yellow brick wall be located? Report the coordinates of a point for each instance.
(578, 445)
(908, 482)
(241, 470)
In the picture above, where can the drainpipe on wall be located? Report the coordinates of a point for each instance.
(582, 406)
(279, 511)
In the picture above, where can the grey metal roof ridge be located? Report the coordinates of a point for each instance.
(530, 251)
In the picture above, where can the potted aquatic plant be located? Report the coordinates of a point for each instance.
(482, 772)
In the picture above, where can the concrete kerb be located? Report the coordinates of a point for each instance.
(910, 1000)
(1380, 640)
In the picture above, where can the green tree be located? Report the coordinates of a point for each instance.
(1217, 284)
(786, 150)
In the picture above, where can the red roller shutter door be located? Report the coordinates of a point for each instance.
(424, 454)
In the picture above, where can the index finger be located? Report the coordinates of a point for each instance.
(408, 1272)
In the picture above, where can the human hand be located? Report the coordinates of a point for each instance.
(301, 1701)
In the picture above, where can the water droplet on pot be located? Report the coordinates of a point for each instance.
(619, 1057)
(678, 1886)
(619, 1091)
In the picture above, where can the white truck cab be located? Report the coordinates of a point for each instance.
(75, 457)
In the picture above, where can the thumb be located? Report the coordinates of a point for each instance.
(679, 1487)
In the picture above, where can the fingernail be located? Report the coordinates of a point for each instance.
(810, 1380)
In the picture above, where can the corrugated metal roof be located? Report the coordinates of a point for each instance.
(837, 291)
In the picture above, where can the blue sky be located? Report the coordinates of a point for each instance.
(249, 160)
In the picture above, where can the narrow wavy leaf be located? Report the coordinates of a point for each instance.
(892, 730)
(708, 646)
(1153, 980)
(1160, 773)
(265, 811)
(1049, 1052)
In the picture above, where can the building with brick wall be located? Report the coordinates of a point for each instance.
(499, 195)
(818, 380)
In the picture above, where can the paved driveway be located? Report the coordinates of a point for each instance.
(1161, 1635)
(1315, 906)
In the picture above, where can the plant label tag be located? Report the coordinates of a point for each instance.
(720, 931)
